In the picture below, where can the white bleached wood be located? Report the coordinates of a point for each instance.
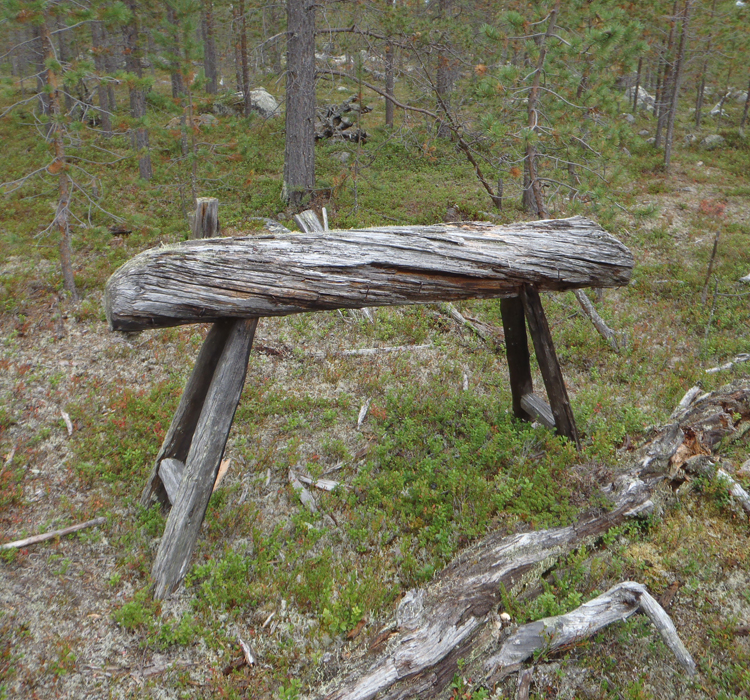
(363, 413)
(304, 495)
(537, 407)
(170, 473)
(604, 330)
(551, 633)
(742, 357)
(321, 484)
(247, 651)
(686, 401)
(275, 275)
(735, 489)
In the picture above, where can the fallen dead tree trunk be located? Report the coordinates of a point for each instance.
(212, 279)
(448, 620)
(451, 619)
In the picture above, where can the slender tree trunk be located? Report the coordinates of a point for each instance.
(299, 152)
(64, 57)
(533, 197)
(637, 85)
(676, 86)
(137, 95)
(743, 121)
(247, 105)
(37, 51)
(237, 26)
(390, 80)
(97, 44)
(209, 48)
(700, 93)
(443, 76)
(275, 47)
(111, 63)
(173, 50)
(668, 81)
(59, 165)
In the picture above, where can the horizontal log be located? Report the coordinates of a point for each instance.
(205, 280)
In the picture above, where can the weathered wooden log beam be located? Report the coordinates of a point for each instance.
(206, 280)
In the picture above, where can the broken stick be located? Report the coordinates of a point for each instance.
(551, 633)
(51, 535)
(604, 330)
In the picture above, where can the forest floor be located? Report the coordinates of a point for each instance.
(437, 462)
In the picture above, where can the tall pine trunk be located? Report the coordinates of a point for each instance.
(390, 80)
(247, 105)
(59, 166)
(679, 64)
(209, 48)
(237, 32)
(299, 150)
(97, 44)
(137, 94)
(173, 51)
(664, 100)
(533, 199)
(37, 51)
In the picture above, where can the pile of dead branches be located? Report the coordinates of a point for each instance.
(330, 122)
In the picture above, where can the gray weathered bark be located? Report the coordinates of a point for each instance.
(299, 150)
(173, 53)
(203, 460)
(448, 620)
(209, 48)
(137, 95)
(177, 441)
(675, 95)
(553, 633)
(202, 281)
(206, 218)
(97, 45)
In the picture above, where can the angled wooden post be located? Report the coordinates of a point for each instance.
(548, 364)
(517, 353)
(180, 434)
(203, 459)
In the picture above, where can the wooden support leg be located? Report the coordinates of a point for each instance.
(203, 460)
(517, 352)
(548, 364)
(180, 434)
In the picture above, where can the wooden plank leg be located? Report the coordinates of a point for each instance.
(203, 460)
(180, 434)
(517, 352)
(548, 364)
